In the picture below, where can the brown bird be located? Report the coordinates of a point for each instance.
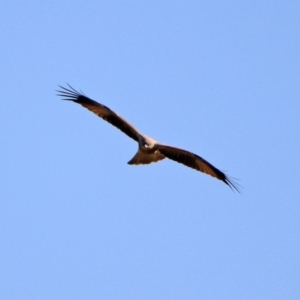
(149, 150)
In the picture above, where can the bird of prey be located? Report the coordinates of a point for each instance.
(149, 150)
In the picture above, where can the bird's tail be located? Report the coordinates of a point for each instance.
(146, 158)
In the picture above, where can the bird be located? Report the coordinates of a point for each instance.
(149, 150)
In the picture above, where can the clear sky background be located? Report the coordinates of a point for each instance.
(219, 78)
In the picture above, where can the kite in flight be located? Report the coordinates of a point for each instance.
(149, 150)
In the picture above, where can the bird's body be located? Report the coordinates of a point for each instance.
(149, 150)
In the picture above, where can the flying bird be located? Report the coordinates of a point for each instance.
(149, 150)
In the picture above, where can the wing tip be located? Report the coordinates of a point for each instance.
(69, 94)
(231, 182)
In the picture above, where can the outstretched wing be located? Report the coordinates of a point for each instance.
(100, 110)
(196, 162)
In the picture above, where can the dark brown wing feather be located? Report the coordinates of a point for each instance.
(100, 110)
(196, 162)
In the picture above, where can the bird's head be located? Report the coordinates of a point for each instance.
(147, 143)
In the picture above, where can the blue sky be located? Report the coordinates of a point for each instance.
(219, 78)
